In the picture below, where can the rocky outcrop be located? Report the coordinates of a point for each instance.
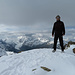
(74, 50)
(68, 44)
(46, 69)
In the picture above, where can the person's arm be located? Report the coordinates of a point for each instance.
(63, 29)
(53, 30)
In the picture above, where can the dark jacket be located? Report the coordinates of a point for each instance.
(58, 28)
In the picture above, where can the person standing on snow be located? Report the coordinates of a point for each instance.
(58, 32)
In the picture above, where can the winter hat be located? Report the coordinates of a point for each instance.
(57, 16)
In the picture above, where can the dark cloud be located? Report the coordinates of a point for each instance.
(36, 12)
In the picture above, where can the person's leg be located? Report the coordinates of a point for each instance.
(61, 42)
(55, 42)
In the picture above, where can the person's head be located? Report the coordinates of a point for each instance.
(58, 17)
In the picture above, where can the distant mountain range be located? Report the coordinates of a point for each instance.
(17, 42)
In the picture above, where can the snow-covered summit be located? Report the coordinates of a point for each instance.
(30, 62)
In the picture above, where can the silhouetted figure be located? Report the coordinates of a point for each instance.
(58, 32)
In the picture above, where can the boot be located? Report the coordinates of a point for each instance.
(53, 51)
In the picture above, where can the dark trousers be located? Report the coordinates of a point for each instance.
(60, 40)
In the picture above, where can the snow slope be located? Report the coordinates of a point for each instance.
(25, 62)
(2, 52)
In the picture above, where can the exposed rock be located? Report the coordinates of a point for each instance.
(68, 44)
(74, 50)
(71, 43)
(20, 51)
(46, 69)
(34, 69)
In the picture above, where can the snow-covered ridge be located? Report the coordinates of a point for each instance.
(30, 62)
(21, 41)
(2, 52)
(26, 41)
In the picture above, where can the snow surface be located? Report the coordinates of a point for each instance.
(2, 52)
(10, 53)
(23, 63)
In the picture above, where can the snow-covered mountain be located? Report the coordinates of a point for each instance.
(25, 41)
(2, 52)
(18, 41)
(39, 62)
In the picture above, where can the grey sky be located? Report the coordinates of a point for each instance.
(35, 14)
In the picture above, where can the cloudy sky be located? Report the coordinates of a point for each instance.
(35, 15)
